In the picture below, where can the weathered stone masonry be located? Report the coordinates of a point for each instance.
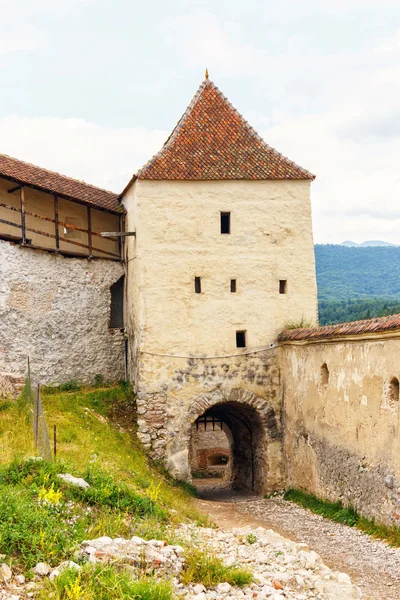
(56, 311)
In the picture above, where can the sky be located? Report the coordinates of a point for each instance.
(92, 89)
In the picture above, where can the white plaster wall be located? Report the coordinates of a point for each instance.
(56, 311)
(342, 439)
(178, 237)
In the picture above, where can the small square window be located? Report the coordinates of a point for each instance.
(225, 222)
(283, 286)
(197, 285)
(240, 339)
(233, 285)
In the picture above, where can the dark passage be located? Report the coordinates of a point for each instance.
(247, 446)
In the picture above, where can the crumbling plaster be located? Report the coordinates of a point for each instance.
(341, 439)
(56, 311)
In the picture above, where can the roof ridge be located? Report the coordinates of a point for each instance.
(257, 135)
(342, 329)
(176, 129)
(29, 164)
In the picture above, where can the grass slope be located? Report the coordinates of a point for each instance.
(42, 518)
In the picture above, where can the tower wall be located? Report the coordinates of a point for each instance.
(182, 343)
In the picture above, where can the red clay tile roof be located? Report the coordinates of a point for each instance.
(54, 183)
(378, 325)
(213, 141)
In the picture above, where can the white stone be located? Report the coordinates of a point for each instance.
(223, 588)
(199, 588)
(42, 569)
(68, 564)
(20, 579)
(76, 481)
(5, 572)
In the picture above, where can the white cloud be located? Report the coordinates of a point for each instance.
(204, 41)
(98, 155)
(22, 37)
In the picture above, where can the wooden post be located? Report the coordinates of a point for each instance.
(89, 220)
(120, 239)
(55, 442)
(23, 227)
(37, 415)
(57, 231)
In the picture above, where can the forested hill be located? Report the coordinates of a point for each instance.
(357, 283)
(370, 272)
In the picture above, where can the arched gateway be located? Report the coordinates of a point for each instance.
(254, 436)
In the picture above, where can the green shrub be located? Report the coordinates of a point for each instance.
(206, 568)
(104, 583)
(251, 538)
(31, 532)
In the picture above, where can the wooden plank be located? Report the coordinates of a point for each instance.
(9, 207)
(23, 223)
(56, 225)
(89, 220)
(117, 233)
(11, 223)
(121, 239)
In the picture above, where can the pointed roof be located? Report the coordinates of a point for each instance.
(212, 141)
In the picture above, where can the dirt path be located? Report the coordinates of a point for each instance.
(372, 565)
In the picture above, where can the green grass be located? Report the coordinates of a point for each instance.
(335, 511)
(104, 583)
(128, 494)
(204, 567)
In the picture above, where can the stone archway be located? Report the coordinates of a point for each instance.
(256, 439)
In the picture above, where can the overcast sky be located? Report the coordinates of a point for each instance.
(92, 88)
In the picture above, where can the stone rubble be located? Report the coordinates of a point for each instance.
(282, 569)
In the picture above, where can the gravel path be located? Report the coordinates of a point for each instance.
(373, 565)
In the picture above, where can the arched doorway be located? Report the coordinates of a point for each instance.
(252, 432)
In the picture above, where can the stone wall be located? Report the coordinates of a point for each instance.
(341, 422)
(208, 443)
(56, 311)
(174, 391)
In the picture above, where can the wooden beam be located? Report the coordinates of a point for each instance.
(23, 224)
(89, 220)
(9, 207)
(14, 189)
(117, 233)
(56, 225)
(121, 239)
(10, 223)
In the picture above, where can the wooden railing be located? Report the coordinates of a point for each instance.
(57, 223)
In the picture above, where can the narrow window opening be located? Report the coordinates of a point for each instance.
(394, 390)
(117, 304)
(240, 339)
(225, 222)
(283, 286)
(233, 285)
(324, 374)
(197, 285)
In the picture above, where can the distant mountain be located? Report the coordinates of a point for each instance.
(344, 272)
(351, 244)
(357, 282)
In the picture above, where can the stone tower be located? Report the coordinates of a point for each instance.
(223, 258)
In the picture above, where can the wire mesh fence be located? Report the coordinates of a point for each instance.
(31, 398)
(40, 430)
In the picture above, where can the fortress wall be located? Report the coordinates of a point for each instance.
(56, 310)
(341, 437)
(169, 387)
